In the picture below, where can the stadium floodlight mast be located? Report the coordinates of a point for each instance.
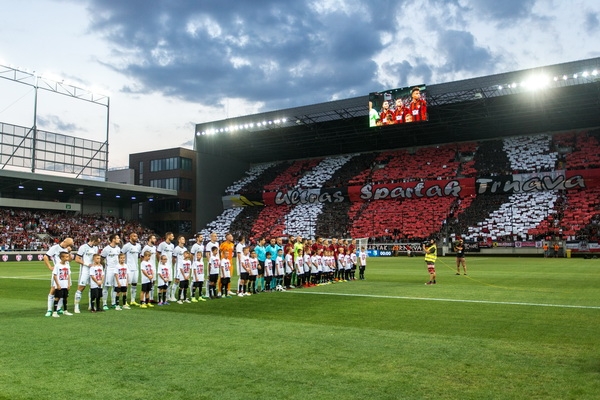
(59, 86)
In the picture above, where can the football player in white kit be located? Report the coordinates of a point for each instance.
(133, 250)
(166, 249)
(151, 247)
(53, 254)
(110, 255)
(85, 258)
(178, 259)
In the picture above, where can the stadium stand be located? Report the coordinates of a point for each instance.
(530, 153)
(485, 217)
(289, 178)
(251, 176)
(413, 219)
(24, 229)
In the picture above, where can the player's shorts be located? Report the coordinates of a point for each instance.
(110, 277)
(146, 287)
(213, 278)
(244, 276)
(84, 276)
(184, 284)
(163, 287)
(119, 289)
(133, 275)
(197, 284)
(61, 294)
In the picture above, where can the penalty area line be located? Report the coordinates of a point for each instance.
(510, 303)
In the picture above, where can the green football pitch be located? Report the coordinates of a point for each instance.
(514, 328)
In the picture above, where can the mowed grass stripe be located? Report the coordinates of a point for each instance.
(448, 300)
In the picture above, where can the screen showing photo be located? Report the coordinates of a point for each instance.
(398, 106)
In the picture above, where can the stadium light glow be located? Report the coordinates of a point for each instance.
(535, 82)
(248, 125)
(21, 187)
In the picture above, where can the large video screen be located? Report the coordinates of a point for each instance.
(398, 106)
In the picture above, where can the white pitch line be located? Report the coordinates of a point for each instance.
(512, 303)
(26, 277)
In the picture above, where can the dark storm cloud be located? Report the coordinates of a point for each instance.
(281, 53)
(462, 54)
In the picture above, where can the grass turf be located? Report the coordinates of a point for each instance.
(514, 328)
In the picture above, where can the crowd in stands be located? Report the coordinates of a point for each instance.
(37, 230)
(530, 153)
(534, 215)
(249, 180)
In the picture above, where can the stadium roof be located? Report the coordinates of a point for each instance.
(36, 186)
(557, 97)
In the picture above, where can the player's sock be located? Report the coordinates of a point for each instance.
(77, 298)
(113, 297)
(124, 298)
(55, 305)
(50, 302)
(133, 292)
(104, 295)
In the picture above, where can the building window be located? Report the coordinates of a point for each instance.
(141, 173)
(169, 164)
(179, 184)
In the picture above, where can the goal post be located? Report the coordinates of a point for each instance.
(361, 242)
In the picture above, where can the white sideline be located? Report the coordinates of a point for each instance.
(512, 303)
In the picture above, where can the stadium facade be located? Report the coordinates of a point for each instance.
(546, 99)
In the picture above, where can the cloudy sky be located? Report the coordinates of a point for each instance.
(168, 64)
